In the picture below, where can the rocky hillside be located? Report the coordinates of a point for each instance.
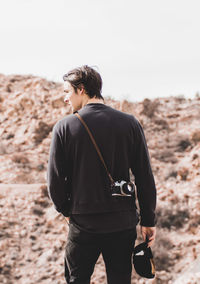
(32, 236)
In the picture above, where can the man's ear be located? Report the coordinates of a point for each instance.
(82, 90)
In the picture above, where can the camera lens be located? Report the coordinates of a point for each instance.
(128, 188)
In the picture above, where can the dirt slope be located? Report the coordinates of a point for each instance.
(33, 235)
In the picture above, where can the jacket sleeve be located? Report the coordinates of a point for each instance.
(57, 174)
(141, 168)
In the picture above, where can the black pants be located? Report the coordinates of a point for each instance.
(83, 250)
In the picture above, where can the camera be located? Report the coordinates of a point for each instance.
(123, 188)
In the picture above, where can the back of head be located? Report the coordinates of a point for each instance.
(85, 77)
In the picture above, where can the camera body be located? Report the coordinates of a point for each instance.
(123, 188)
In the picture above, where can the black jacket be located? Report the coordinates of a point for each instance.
(75, 168)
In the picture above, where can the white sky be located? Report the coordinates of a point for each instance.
(143, 48)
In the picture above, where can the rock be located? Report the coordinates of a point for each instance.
(23, 233)
(45, 258)
(25, 102)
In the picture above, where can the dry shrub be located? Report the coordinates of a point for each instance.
(37, 210)
(41, 131)
(9, 88)
(183, 145)
(172, 216)
(162, 251)
(172, 173)
(165, 156)
(180, 98)
(194, 222)
(43, 202)
(10, 136)
(195, 156)
(20, 159)
(196, 136)
(126, 106)
(44, 190)
(163, 124)
(40, 167)
(183, 173)
(149, 107)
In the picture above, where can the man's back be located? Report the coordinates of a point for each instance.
(123, 147)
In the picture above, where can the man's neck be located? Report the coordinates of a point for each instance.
(92, 100)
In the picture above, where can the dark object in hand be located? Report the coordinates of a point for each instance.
(143, 261)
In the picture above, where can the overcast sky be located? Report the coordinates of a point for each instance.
(143, 48)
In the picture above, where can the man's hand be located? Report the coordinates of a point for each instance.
(150, 233)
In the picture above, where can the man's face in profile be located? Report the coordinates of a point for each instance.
(72, 97)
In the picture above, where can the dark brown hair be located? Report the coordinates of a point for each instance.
(85, 77)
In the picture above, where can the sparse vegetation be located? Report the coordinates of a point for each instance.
(149, 107)
(20, 159)
(162, 123)
(180, 98)
(162, 252)
(196, 136)
(183, 145)
(41, 132)
(165, 155)
(183, 173)
(172, 173)
(172, 217)
(172, 134)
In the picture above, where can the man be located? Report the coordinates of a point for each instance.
(80, 188)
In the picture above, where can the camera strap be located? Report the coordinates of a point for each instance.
(95, 145)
